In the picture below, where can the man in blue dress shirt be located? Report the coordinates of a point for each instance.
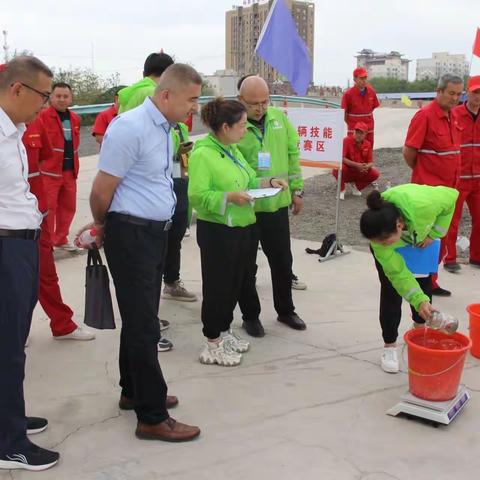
(132, 203)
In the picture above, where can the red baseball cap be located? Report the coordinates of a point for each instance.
(361, 126)
(474, 83)
(360, 72)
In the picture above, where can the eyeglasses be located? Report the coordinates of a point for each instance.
(45, 96)
(263, 104)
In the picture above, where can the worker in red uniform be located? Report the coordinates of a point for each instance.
(432, 146)
(189, 122)
(61, 169)
(103, 119)
(357, 165)
(359, 102)
(469, 183)
(63, 327)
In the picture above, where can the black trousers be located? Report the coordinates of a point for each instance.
(175, 236)
(272, 230)
(223, 254)
(136, 256)
(391, 304)
(18, 296)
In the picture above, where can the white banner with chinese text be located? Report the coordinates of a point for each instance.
(321, 132)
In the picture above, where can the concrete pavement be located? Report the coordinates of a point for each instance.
(303, 405)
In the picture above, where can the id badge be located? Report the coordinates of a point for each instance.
(264, 161)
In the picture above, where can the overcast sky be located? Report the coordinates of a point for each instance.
(123, 33)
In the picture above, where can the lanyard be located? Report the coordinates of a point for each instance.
(233, 158)
(237, 163)
(259, 137)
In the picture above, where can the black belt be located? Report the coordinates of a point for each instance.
(163, 225)
(25, 234)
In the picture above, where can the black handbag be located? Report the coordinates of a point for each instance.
(98, 301)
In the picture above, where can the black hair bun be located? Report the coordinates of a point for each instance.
(375, 201)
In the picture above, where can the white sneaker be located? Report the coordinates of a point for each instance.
(342, 195)
(187, 232)
(69, 247)
(355, 191)
(164, 325)
(236, 343)
(298, 284)
(177, 291)
(80, 333)
(389, 360)
(219, 353)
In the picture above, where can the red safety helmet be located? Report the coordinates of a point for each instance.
(473, 83)
(360, 72)
(361, 126)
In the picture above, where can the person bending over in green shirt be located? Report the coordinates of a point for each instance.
(219, 178)
(413, 215)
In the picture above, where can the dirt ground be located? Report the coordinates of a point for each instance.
(318, 217)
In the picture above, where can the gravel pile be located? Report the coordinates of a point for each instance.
(318, 217)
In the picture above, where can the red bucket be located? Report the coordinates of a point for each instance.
(435, 367)
(474, 314)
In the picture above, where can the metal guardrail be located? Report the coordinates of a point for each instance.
(90, 109)
(94, 109)
(410, 95)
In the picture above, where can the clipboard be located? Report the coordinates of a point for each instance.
(421, 261)
(257, 193)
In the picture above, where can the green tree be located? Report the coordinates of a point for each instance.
(207, 89)
(394, 85)
(88, 87)
(21, 53)
(107, 95)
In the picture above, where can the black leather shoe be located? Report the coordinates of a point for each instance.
(254, 329)
(293, 321)
(441, 292)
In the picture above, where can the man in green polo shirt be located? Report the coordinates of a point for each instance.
(270, 146)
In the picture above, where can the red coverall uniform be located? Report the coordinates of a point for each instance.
(359, 108)
(38, 148)
(359, 153)
(468, 185)
(103, 119)
(436, 136)
(60, 185)
(189, 122)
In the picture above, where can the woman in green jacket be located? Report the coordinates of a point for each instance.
(219, 178)
(405, 215)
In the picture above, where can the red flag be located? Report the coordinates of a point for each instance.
(476, 45)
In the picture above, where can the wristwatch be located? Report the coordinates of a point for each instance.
(298, 193)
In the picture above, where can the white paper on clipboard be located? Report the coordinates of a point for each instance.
(263, 192)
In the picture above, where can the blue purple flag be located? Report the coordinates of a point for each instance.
(281, 46)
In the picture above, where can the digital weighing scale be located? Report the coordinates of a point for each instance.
(436, 412)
